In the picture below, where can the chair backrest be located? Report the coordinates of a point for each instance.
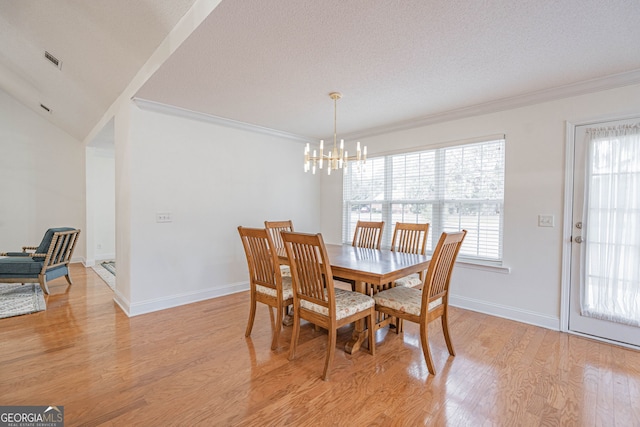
(261, 260)
(310, 269)
(436, 285)
(410, 238)
(368, 234)
(61, 246)
(48, 236)
(275, 228)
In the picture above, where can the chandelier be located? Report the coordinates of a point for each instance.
(338, 158)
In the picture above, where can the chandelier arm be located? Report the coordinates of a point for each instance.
(335, 159)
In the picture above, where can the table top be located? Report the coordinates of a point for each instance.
(372, 265)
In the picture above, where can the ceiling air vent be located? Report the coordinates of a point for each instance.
(55, 61)
(44, 107)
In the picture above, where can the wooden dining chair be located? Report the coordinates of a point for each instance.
(315, 298)
(412, 239)
(368, 234)
(275, 228)
(408, 238)
(430, 303)
(266, 282)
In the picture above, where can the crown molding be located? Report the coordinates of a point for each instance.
(159, 107)
(532, 98)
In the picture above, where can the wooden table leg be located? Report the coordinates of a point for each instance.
(360, 332)
(287, 320)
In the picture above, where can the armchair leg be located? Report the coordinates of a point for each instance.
(43, 283)
(68, 279)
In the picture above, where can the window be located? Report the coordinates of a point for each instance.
(452, 188)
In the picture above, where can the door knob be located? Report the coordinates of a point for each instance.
(578, 239)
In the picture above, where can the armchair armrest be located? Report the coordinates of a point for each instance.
(29, 251)
(22, 254)
(26, 251)
(33, 254)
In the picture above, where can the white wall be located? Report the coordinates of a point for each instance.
(101, 211)
(534, 184)
(211, 179)
(41, 178)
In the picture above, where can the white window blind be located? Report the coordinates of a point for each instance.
(452, 188)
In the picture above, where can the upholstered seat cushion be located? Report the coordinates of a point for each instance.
(287, 290)
(347, 303)
(20, 266)
(410, 281)
(401, 298)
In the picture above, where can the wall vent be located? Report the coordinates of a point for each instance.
(55, 61)
(47, 109)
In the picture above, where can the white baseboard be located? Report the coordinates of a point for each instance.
(122, 302)
(91, 262)
(150, 306)
(506, 312)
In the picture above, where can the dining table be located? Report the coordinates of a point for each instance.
(362, 266)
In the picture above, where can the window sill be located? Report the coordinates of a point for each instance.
(475, 265)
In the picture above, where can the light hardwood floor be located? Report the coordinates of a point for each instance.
(192, 365)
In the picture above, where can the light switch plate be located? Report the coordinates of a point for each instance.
(545, 221)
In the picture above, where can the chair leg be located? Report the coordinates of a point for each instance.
(331, 350)
(424, 340)
(372, 332)
(294, 335)
(68, 279)
(252, 316)
(399, 325)
(272, 319)
(445, 330)
(277, 327)
(43, 283)
(287, 320)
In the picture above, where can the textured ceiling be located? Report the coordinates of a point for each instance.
(273, 63)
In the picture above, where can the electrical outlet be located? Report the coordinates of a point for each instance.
(163, 217)
(545, 221)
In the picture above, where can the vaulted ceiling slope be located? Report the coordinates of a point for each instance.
(101, 45)
(273, 63)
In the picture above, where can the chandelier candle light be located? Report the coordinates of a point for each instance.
(337, 158)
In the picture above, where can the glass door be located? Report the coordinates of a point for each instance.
(605, 252)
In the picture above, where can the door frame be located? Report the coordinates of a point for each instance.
(567, 222)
